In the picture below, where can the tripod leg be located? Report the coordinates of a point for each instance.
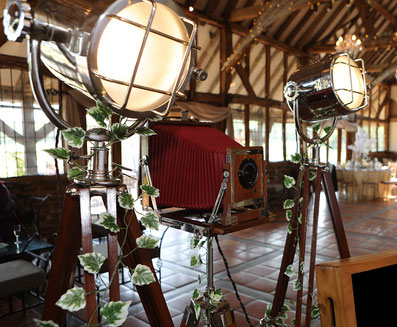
(151, 295)
(86, 243)
(302, 243)
(113, 253)
(288, 255)
(340, 235)
(317, 191)
(67, 247)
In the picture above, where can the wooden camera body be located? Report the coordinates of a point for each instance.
(245, 196)
(194, 165)
(358, 291)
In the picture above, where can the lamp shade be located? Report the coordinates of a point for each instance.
(132, 55)
(332, 87)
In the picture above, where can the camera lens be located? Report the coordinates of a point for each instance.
(248, 173)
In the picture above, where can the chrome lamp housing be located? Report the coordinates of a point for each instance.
(132, 55)
(330, 88)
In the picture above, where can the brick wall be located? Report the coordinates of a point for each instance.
(22, 187)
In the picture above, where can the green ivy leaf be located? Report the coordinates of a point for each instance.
(315, 311)
(327, 129)
(92, 262)
(144, 131)
(302, 267)
(196, 294)
(100, 113)
(288, 215)
(108, 221)
(296, 158)
(151, 221)
(316, 127)
(150, 190)
(142, 275)
(147, 242)
(197, 310)
(312, 176)
(75, 172)
(285, 308)
(42, 323)
(119, 131)
(289, 229)
(195, 260)
(297, 285)
(289, 181)
(216, 296)
(72, 300)
(126, 201)
(115, 313)
(59, 153)
(74, 136)
(300, 218)
(194, 242)
(290, 271)
(288, 204)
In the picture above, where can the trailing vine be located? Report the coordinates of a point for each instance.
(112, 313)
(294, 223)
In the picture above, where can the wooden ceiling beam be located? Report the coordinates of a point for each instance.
(267, 40)
(327, 22)
(285, 24)
(306, 34)
(242, 14)
(230, 6)
(384, 12)
(245, 79)
(367, 16)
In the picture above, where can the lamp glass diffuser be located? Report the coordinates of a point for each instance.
(161, 59)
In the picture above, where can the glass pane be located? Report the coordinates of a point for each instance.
(333, 149)
(373, 136)
(381, 138)
(257, 126)
(291, 137)
(343, 147)
(276, 136)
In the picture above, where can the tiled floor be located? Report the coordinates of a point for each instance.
(254, 257)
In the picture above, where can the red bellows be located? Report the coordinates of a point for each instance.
(186, 164)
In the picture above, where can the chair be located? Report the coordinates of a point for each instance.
(372, 183)
(349, 184)
(21, 275)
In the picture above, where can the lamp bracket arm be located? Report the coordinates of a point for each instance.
(36, 80)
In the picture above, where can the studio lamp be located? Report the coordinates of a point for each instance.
(330, 88)
(134, 56)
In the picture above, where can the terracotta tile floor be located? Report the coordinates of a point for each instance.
(254, 257)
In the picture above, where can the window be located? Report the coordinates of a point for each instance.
(25, 131)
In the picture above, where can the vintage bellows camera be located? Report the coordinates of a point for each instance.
(197, 167)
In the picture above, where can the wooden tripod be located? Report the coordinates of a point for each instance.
(75, 231)
(298, 236)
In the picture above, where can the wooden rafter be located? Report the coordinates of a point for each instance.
(230, 5)
(245, 79)
(319, 17)
(384, 12)
(262, 23)
(367, 16)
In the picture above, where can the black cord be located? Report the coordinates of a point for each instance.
(232, 281)
(60, 197)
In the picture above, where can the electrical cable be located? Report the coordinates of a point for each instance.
(232, 281)
(60, 197)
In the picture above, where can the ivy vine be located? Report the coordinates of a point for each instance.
(113, 313)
